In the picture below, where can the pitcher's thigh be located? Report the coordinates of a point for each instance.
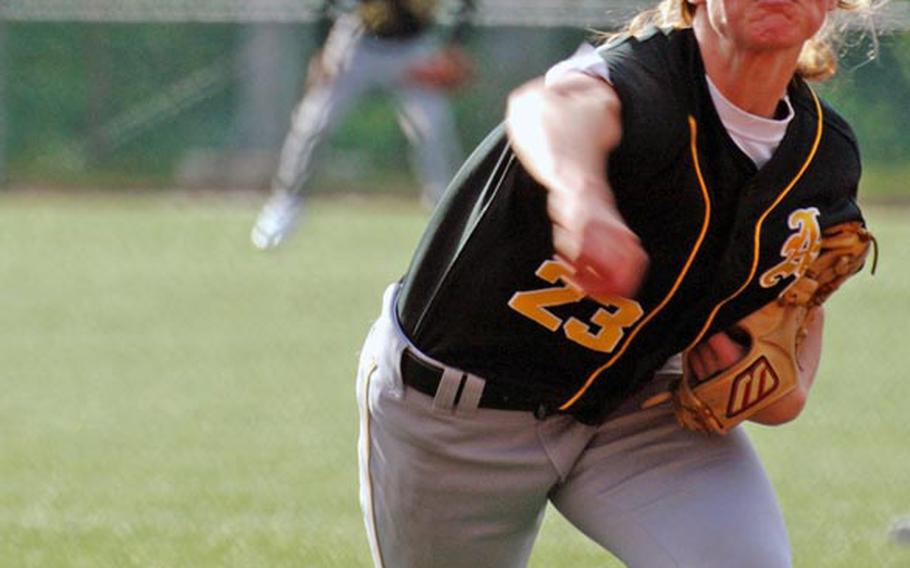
(668, 497)
(432, 493)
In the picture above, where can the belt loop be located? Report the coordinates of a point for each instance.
(471, 393)
(448, 389)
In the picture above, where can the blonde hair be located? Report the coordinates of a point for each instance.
(818, 60)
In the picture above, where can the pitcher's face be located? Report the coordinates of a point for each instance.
(766, 24)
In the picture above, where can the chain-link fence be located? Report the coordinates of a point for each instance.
(491, 12)
(115, 92)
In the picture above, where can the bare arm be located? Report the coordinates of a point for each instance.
(808, 357)
(562, 133)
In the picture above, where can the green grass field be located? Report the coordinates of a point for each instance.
(170, 397)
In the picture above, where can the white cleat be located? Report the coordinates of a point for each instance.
(276, 221)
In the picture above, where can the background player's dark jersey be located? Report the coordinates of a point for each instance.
(402, 19)
(484, 294)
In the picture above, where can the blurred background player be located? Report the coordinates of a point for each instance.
(397, 46)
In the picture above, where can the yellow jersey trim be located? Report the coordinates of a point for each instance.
(756, 245)
(693, 130)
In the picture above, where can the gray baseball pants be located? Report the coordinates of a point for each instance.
(358, 65)
(444, 486)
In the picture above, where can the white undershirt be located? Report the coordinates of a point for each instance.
(757, 136)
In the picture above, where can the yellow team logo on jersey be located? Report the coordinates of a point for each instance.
(800, 250)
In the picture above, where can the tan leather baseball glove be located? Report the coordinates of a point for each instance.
(769, 369)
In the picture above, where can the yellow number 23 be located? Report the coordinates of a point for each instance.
(614, 317)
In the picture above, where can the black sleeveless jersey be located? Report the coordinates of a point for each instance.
(485, 294)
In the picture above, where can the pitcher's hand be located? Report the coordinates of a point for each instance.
(590, 235)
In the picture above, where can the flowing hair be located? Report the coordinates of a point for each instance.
(818, 59)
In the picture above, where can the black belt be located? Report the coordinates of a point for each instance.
(425, 377)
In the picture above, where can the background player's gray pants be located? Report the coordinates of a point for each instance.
(360, 64)
(467, 487)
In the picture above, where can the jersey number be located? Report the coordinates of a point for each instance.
(613, 318)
